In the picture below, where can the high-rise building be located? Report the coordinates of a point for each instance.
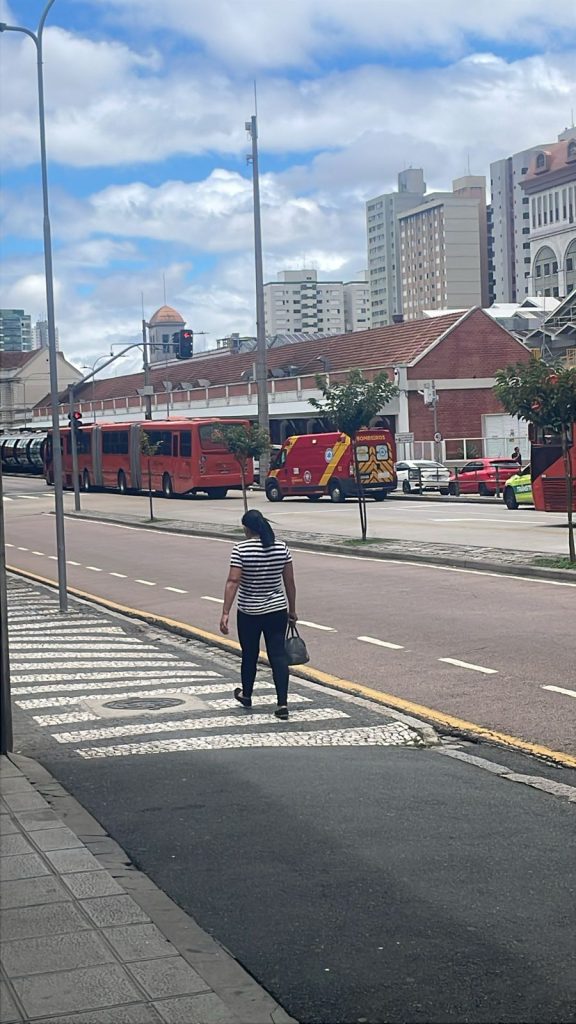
(298, 301)
(444, 250)
(511, 221)
(383, 234)
(15, 331)
(549, 187)
(40, 335)
(357, 303)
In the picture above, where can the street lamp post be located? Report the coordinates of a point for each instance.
(261, 352)
(36, 37)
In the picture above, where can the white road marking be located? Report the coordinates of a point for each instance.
(145, 583)
(316, 625)
(65, 624)
(59, 702)
(93, 568)
(101, 684)
(121, 662)
(380, 643)
(223, 703)
(62, 646)
(53, 558)
(147, 676)
(176, 590)
(6, 498)
(380, 735)
(70, 562)
(22, 549)
(38, 553)
(143, 652)
(217, 600)
(120, 575)
(466, 664)
(7, 544)
(28, 497)
(82, 634)
(69, 718)
(560, 689)
(191, 724)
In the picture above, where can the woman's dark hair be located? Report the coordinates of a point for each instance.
(254, 521)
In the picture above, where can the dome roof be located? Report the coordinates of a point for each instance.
(166, 315)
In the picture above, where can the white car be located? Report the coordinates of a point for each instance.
(417, 475)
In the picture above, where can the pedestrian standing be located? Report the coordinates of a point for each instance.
(517, 456)
(262, 574)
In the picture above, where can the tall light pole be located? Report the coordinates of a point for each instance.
(261, 352)
(36, 37)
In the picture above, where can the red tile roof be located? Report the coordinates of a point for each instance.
(12, 360)
(380, 347)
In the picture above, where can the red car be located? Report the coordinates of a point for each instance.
(482, 476)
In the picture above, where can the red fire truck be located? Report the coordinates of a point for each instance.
(313, 465)
(190, 457)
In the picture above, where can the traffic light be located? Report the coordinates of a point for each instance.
(75, 419)
(183, 344)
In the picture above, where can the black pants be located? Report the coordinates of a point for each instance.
(250, 629)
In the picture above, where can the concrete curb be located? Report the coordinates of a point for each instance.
(223, 974)
(502, 568)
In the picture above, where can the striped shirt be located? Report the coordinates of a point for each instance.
(261, 588)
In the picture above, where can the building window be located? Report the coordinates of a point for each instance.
(538, 271)
(546, 269)
(572, 149)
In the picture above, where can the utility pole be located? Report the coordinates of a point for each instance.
(5, 698)
(261, 351)
(146, 365)
(74, 447)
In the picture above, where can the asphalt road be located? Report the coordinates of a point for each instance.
(369, 883)
(489, 649)
(448, 521)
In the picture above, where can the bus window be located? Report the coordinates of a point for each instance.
(186, 444)
(211, 439)
(162, 438)
(115, 442)
(175, 445)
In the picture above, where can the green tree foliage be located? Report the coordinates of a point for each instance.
(544, 396)
(244, 443)
(351, 405)
(148, 450)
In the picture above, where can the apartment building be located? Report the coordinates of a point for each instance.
(549, 187)
(444, 250)
(40, 335)
(357, 304)
(15, 331)
(383, 233)
(298, 301)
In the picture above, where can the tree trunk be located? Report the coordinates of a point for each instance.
(150, 489)
(569, 478)
(361, 492)
(243, 478)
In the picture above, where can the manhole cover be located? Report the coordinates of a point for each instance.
(144, 703)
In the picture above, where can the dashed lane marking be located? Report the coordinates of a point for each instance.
(176, 590)
(380, 643)
(145, 583)
(22, 549)
(217, 600)
(561, 689)
(382, 735)
(38, 553)
(93, 568)
(53, 558)
(467, 664)
(69, 561)
(316, 625)
(120, 575)
(192, 724)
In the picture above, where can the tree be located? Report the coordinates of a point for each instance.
(149, 449)
(244, 443)
(544, 396)
(351, 405)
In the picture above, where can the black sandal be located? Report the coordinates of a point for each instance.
(282, 713)
(246, 702)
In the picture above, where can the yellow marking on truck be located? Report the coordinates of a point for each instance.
(337, 453)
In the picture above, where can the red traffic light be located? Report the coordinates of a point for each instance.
(77, 415)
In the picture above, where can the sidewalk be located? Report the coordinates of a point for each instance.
(87, 938)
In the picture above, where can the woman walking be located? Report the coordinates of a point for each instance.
(262, 573)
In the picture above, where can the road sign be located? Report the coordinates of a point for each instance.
(404, 438)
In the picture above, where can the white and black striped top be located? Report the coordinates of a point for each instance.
(261, 589)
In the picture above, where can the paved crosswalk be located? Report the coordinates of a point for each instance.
(98, 687)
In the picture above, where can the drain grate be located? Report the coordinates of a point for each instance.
(144, 703)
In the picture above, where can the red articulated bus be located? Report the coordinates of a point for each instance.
(190, 457)
(547, 469)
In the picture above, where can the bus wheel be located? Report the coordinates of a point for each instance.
(273, 492)
(314, 497)
(122, 482)
(336, 493)
(379, 495)
(85, 481)
(167, 488)
(510, 499)
(217, 492)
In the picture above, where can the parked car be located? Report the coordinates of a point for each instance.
(518, 489)
(482, 476)
(415, 475)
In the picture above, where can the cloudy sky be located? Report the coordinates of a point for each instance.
(146, 102)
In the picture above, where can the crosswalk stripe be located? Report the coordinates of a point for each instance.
(69, 632)
(67, 719)
(144, 674)
(382, 735)
(62, 702)
(65, 645)
(19, 691)
(144, 652)
(192, 724)
(157, 663)
(221, 704)
(295, 698)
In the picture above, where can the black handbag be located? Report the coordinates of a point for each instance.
(296, 652)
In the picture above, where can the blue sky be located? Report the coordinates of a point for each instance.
(146, 104)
